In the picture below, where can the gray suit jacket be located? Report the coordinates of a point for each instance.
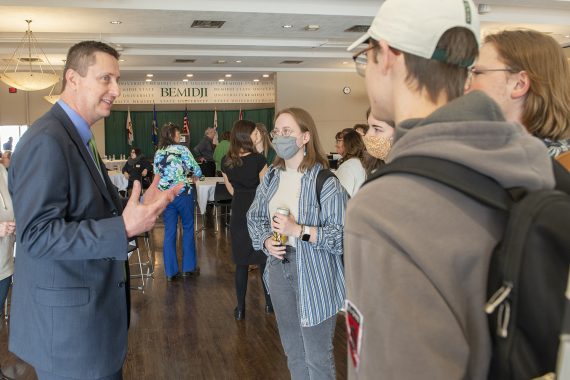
(69, 304)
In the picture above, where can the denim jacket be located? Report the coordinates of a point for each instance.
(319, 265)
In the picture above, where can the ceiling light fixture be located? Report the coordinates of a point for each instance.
(256, 80)
(51, 98)
(121, 60)
(29, 80)
(221, 80)
(185, 80)
(189, 75)
(148, 80)
(238, 61)
(116, 22)
(221, 61)
(287, 26)
(149, 75)
(265, 75)
(228, 75)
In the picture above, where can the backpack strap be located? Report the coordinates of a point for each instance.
(457, 176)
(562, 176)
(322, 177)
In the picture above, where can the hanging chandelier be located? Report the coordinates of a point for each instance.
(29, 80)
(52, 98)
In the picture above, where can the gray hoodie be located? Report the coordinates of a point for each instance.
(417, 252)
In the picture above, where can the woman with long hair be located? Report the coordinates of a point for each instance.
(242, 169)
(351, 173)
(174, 163)
(378, 142)
(262, 143)
(304, 272)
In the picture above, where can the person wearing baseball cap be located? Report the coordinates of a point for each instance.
(416, 251)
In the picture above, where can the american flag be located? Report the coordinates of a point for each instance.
(130, 133)
(186, 123)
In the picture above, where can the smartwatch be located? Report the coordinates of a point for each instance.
(306, 233)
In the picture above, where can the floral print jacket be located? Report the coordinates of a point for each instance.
(175, 164)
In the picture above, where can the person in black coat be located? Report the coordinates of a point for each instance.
(137, 168)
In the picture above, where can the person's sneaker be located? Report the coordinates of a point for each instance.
(193, 273)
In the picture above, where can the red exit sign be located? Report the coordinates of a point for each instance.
(12, 90)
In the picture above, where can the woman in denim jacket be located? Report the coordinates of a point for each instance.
(305, 276)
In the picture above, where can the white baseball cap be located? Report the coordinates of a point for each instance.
(415, 26)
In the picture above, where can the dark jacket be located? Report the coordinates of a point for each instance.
(69, 302)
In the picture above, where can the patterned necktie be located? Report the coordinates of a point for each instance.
(95, 153)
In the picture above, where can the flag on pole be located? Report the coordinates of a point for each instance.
(240, 114)
(186, 124)
(130, 134)
(215, 119)
(154, 127)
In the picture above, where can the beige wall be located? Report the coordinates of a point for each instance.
(319, 93)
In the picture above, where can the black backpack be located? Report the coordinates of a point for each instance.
(528, 272)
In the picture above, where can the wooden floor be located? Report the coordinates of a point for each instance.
(186, 330)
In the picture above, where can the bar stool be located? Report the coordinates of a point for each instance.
(132, 248)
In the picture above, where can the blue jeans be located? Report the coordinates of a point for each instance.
(182, 205)
(4, 287)
(309, 350)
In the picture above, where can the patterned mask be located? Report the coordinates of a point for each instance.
(378, 146)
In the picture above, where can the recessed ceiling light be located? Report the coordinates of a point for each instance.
(149, 75)
(121, 60)
(238, 61)
(220, 61)
(185, 80)
(189, 75)
(256, 80)
(287, 26)
(228, 75)
(567, 36)
(266, 75)
(148, 80)
(221, 80)
(116, 22)
(312, 28)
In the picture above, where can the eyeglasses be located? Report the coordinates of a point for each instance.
(474, 71)
(361, 60)
(284, 132)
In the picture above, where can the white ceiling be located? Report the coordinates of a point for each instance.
(155, 33)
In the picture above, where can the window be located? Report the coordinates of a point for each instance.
(14, 131)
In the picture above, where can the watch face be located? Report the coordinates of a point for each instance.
(346, 90)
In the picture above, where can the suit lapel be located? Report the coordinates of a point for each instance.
(101, 183)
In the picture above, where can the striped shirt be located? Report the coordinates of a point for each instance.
(319, 265)
(173, 163)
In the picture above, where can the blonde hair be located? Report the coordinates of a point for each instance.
(314, 152)
(546, 110)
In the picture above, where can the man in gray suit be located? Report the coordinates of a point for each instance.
(70, 297)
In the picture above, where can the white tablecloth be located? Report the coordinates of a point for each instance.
(119, 180)
(205, 191)
(114, 164)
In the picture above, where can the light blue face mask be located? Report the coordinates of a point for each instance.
(285, 146)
